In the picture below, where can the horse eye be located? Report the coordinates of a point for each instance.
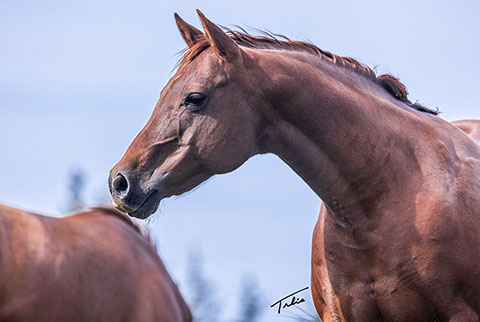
(194, 100)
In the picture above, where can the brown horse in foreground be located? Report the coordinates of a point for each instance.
(398, 237)
(94, 266)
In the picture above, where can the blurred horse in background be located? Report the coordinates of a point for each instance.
(94, 266)
(398, 236)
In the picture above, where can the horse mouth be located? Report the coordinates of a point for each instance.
(147, 208)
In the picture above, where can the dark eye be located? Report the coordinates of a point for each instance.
(194, 100)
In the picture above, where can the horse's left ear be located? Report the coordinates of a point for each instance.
(224, 46)
(189, 33)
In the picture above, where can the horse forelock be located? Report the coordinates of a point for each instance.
(271, 41)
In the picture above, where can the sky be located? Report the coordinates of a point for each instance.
(79, 79)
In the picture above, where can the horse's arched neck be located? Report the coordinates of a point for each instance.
(344, 140)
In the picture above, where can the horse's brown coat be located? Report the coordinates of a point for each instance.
(93, 266)
(398, 235)
(470, 127)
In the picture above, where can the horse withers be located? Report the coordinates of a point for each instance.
(93, 266)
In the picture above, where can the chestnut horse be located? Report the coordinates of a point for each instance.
(398, 236)
(94, 266)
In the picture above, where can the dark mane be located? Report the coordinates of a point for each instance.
(270, 41)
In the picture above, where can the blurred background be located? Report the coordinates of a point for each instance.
(79, 79)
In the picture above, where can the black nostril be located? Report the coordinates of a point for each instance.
(120, 184)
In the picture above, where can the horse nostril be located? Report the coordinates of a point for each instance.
(120, 184)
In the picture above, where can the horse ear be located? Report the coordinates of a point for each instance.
(189, 33)
(224, 46)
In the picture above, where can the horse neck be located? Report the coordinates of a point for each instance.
(347, 139)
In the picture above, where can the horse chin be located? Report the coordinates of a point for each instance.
(149, 206)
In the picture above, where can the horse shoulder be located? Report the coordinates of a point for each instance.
(324, 298)
(340, 277)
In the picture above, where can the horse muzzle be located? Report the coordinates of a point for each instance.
(128, 197)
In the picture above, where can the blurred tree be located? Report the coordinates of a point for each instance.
(251, 302)
(202, 300)
(75, 189)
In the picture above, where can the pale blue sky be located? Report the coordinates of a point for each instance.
(78, 79)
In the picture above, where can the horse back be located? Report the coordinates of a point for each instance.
(470, 127)
(91, 266)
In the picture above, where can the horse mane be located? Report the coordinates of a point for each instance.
(271, 41)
